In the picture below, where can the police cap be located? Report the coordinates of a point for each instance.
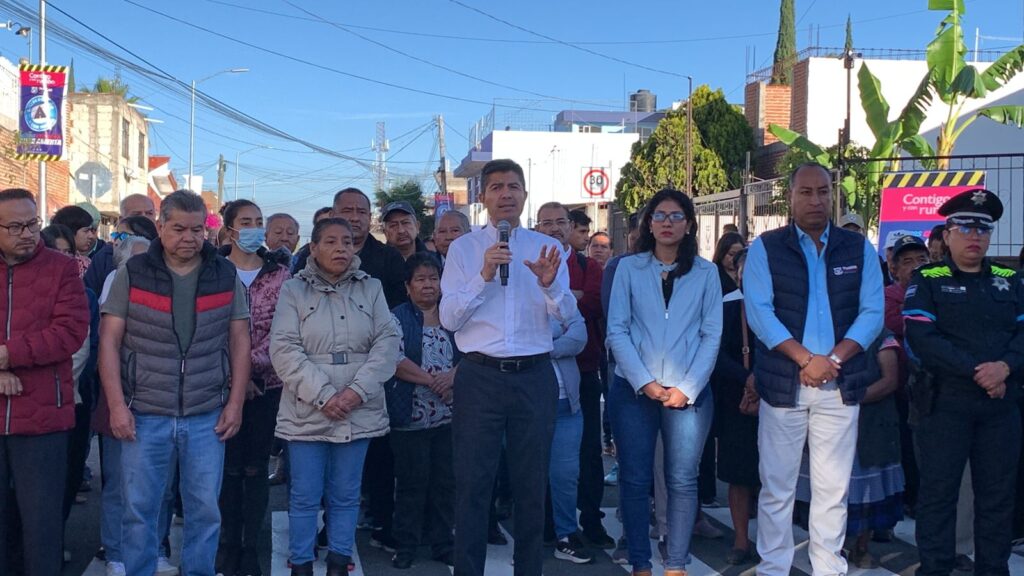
(977, 208)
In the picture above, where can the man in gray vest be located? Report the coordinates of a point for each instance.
(813, 296)
(174, 361)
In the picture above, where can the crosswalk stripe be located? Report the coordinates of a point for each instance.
(279, 555)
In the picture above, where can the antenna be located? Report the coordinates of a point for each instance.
(380, 145)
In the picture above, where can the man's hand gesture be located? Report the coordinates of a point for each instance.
(545, 267)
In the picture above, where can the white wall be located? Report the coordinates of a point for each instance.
(10, 94)
(826, 105)
(554, 164)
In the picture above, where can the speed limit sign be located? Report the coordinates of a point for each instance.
(595, 182)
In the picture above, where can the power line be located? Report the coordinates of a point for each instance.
(568, 44)
(314, 64)
(424, 60)
(240, 116)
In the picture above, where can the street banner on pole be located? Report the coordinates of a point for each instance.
(442, 204)
(910, 200)
(41, 115)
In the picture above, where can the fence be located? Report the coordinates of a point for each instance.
(1003, 175)
(761, 206)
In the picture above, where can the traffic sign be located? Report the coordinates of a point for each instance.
(595, 182)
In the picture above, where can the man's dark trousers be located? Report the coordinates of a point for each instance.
(38, 467)
(591, 484)
(988, 432)
(519, 408)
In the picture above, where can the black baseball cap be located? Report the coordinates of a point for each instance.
(904, 243)
(399, 206)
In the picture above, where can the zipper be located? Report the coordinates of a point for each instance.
(60, 395)
(10, 308)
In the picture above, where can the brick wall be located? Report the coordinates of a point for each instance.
(22, 174)
(798, 97)
(766, 104)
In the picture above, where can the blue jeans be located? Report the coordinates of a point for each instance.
(636, 421)
(147, 467)
(112, 509)
(564, 471)
(322, 470)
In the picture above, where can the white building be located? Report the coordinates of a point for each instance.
(576, 163)
(108, 143)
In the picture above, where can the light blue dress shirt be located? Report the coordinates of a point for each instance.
(819, 333)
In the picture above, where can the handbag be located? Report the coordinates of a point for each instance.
(748, 403)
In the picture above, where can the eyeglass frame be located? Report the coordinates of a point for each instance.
(674, 217)
(21, 226)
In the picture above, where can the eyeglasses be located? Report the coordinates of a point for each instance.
(968, 230)
(120, 236)
(16, 228)
(673, 217)
(561, 222)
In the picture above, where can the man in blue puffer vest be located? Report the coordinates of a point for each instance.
(814, 299)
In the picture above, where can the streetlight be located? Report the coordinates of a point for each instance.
(237, 154)
(192, 116)
(19, 30)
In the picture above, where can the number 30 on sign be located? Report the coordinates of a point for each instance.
(595, 182)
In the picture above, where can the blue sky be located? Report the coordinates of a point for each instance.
(659, 42)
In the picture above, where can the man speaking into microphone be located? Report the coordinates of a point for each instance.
(505, 388)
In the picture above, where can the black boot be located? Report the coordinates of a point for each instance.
(302, 569)
(339, 564)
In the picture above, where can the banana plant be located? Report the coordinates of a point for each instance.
(955, 82)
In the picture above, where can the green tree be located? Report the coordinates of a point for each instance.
(115, 85)
(660, 161)
(848, 45)
(411, 192)
(724, 129)
(785, 46)
(859, 187)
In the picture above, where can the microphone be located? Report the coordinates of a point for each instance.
(503, 230)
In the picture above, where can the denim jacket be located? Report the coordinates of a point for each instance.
(676, 346)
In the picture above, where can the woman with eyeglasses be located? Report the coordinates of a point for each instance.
(664, 329)
(130, 227)
(245, 488)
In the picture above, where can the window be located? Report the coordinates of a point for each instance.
(142, 150)
(125, 134)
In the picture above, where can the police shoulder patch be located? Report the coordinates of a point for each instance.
(911, 290)
(1003, 272)
(941, 271)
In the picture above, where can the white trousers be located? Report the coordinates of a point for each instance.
(829, 428)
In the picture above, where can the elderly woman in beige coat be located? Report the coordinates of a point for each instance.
(333, 344)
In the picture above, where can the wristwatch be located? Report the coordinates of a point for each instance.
(835, 358)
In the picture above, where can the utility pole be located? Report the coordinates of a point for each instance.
(46, 98)
(381, 146)
(221, 167)
(689, 137)
(444, 160)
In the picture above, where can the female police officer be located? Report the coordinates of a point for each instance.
(964, 332)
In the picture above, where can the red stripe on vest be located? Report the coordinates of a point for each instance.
(150, 300)
(213, 301)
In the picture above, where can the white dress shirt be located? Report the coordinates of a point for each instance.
(496, 320)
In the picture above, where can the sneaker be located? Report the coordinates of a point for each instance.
(572, 549)
(115, 569)
(495, 537)
(165, 568)
(621, 555)
(383, 540)
(612, 478)
(705, 529)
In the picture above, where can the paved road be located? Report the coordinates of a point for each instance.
(897, 557)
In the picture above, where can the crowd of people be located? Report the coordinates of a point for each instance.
(425, 390)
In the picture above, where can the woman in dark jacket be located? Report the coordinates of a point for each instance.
(735, 413)
(419, 406)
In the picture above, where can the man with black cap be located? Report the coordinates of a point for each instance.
(963, 330)
(402, 229)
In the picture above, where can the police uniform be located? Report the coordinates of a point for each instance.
(956, 320)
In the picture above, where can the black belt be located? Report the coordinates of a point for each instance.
(510, 364)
